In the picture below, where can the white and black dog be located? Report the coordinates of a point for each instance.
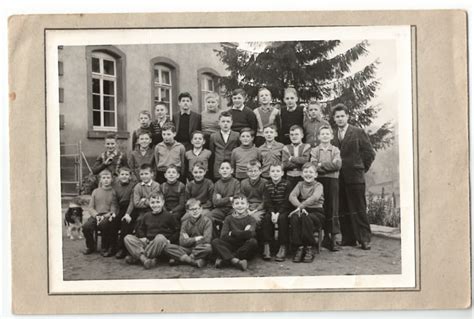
(73, 219)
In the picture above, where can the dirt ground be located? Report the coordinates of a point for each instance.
(383, 258)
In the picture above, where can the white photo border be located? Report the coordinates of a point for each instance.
(71, 37)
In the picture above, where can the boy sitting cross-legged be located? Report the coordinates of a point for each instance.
(157, 229)
(194, 238)
(200, 188)
(237, 242)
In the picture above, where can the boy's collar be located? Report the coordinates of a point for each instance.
(157, 212)
(147, 184)
(121, 183)
(228, 132)
(277, 181)
(296, 145)
(172, 183)
(197, 151)
(292, 109)
(106, 187)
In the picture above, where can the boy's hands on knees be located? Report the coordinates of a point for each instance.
(296, 211)
(127, 218)
(304, 211)
(145, 240)
(185, 235)
(247, 227)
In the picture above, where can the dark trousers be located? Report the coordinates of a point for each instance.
(353, 213)
(293, 180)
(233, 248)
(304, 226)
(331, 204)
(109, 230)
(269, 228)
(125, 229)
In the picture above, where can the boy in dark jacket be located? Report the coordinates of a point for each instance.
(237, 243)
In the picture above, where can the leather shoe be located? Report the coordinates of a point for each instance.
(308, 255)
(365, 245)
(281, 254)
(347, 243)
(88, 251)
(121, 254)
(298, 255)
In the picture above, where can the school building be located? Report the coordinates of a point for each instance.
(103, 88)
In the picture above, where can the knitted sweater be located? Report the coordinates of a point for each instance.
(270, 154)
(103, 200)
(244, 118)
(201, 191)
(275, 196)
(311, 130)
(226, 188)
(299, 155)
(166, 155)
(202, 226)
(191, 158)
(307, 195)
(136, 159)
(235, 225)
(161, 223)
(124, 195)
(174, 197)
(209, 122)
(253, 190)
(240, 157)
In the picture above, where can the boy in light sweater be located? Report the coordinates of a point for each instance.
(103, 210)
(327, 158)
(243, 154)
(308, 216)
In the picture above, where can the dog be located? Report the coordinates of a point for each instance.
(73, 218)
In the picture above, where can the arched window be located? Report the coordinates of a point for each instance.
(208, 81)
(106, 91)
(164, 83)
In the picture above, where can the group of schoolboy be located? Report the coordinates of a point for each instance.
(212, 183)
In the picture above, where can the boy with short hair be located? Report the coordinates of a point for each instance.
(141, 193)
(103, 211)
(142, 154)
(266, 114)
(243, 154)
(186, 121)
(225, 190)
(173, 191)
(308, 216)
(194, 238)
(242, 116)
(157, 229)
(144, 118)
(313, 123)
(210, 116)
(161, 118)
(252, 188)
(111, 159)
(200, 188)
(277, 208)
(294, 155)
(124, 189)
(197, 154)
(222, 143)
(291, 114)
(271, 151)
(327, 158)
(237, 242)
(169, 152)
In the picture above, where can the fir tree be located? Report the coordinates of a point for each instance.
(315, 72)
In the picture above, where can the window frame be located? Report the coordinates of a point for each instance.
(102, 76)
(120, 101)
(214, 76)
(173, 68)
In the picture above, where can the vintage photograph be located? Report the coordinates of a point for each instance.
(230, 159)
